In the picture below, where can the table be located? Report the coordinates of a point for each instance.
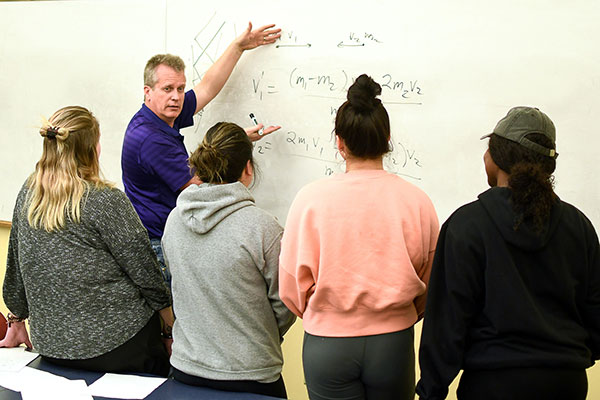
(170, 390)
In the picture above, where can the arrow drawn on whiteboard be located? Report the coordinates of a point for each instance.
(342, 44)
(293, 45)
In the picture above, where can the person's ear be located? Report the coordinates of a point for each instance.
(248, 169)
(247, 174)
(341, 145)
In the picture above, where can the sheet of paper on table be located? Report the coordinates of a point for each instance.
(125, 386)
(15, 358)
(40, 385)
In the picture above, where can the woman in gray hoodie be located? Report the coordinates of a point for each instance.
(223, 254)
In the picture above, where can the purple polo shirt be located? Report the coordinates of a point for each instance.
(154, 162)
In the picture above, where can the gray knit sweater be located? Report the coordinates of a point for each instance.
(223, 253)
(89, 287)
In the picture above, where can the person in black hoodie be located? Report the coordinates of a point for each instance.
(514, 294)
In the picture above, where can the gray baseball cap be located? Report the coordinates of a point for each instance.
(520, 122)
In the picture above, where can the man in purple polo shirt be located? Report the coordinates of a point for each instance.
(154, 159)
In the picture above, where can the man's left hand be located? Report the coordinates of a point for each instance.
(251, 39)
(253, 134)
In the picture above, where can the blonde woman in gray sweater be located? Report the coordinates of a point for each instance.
(80, 266)
(223, 254)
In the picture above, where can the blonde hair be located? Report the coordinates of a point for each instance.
(67, 168)
(169, 60)
(223, 154)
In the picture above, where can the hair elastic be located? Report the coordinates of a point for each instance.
(51, 132)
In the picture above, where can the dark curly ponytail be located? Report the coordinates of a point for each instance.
(530, 178)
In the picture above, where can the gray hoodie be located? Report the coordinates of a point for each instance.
(223, 253)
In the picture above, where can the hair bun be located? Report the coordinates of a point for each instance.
(208, 147)
(363, 93)
(211, 153)
(212, 162)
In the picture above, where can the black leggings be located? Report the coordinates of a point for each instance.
(145, 353)
(274, 389)
(523, 384)
(378, 367)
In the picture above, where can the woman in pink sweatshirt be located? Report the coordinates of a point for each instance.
(355, 261)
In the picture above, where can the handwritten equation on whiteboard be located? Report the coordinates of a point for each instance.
(306, 80)
(401, 160)
(332, 84)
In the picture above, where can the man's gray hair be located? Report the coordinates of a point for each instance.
(169, 60)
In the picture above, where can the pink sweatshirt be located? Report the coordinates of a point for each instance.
(356, 254)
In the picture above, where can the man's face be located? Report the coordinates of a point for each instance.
(165, 99)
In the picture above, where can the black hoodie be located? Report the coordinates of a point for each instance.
(500, 298)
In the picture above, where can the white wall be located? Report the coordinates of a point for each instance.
(450, 71)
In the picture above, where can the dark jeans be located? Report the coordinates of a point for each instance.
(145, 353)
(523, 384)
(157, 247)
(274, 389)
(378, 367)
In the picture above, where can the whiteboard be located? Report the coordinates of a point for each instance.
(449, 71)
(59, 53)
